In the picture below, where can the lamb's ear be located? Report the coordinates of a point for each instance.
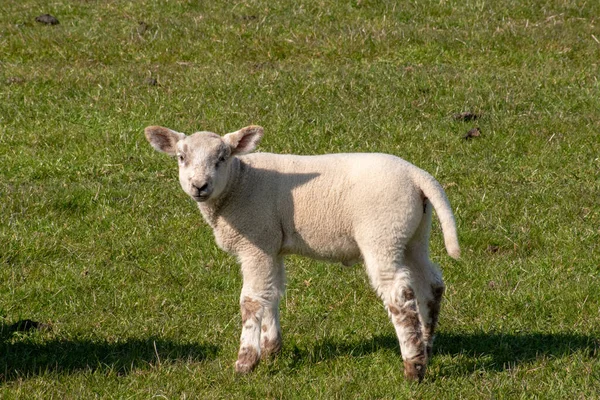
(163, 139)
(245, 140)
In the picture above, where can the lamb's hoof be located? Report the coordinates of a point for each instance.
(269, 347)
(248, 359)
(414, 370)
(243, 369)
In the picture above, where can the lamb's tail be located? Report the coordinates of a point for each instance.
(436, 195)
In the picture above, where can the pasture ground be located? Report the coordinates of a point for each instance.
(98, 242)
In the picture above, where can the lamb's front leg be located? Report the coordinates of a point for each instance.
(270, 337)
(252, 314)
(259, 303)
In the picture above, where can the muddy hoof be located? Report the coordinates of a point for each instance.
(248, 359)
(414, 371)
(270, 347)
(243, 368)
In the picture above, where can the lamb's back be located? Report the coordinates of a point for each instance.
(320, 201)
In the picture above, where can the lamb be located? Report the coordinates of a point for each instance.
(349, 208)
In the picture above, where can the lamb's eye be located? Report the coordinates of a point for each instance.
(221, 160)
(181, 157)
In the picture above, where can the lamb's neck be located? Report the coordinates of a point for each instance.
(211, 209)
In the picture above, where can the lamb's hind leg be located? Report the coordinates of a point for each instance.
(403, 311)
(262, 289)
(431, 292)
(427, 277)
(394, 285)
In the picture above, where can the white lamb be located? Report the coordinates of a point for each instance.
(374, 208)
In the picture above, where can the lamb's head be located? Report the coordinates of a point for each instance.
(204, 158)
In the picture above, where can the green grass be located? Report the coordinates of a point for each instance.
(97, 239)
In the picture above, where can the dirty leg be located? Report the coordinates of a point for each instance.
(403, 311)
(270, 339)
(430, 315)
(249, 354)
(259, 304)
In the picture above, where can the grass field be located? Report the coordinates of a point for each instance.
(98, 242)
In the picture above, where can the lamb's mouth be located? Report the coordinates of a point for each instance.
(201, 199)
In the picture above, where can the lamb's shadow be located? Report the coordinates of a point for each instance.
(24, 356)
(492, 351)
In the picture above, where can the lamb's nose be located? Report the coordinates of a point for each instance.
(202, 189)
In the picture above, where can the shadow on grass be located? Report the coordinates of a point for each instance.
(491, 351)
(24, 358)
(503, 351)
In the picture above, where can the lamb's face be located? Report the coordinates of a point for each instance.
(203, 165)
(203, 157)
